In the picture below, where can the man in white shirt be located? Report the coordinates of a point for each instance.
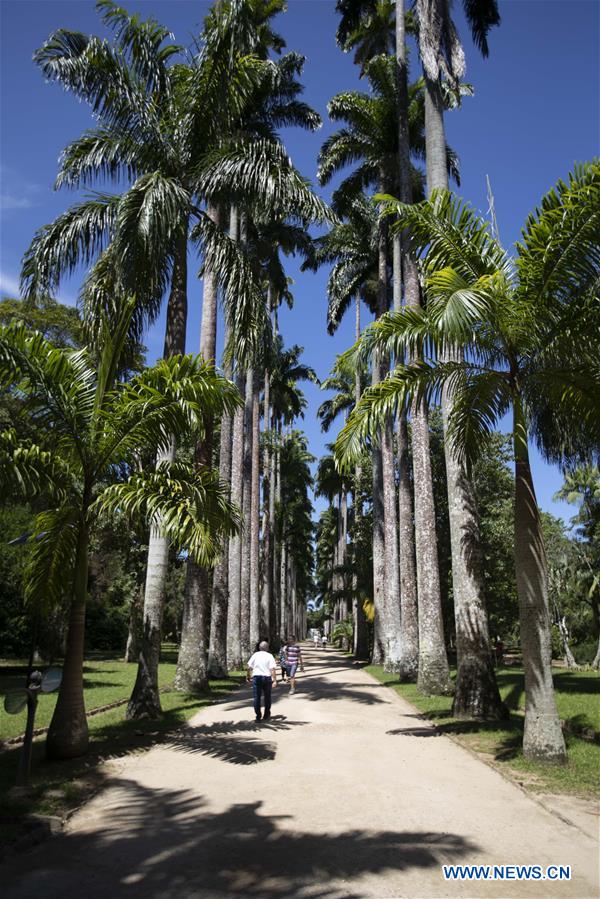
(262, 670)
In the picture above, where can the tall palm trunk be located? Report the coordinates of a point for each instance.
(433, 671)
(217, 644)
(343, 549)
(266, 600)
(409, 634)
(477, 693)
(408, 664)
(145, 699)
(283, 589)
(247, 516)
(68, 735)
(361, 641)
(257, 626)
(381, 547)
(391, 600)
(277, 529)
(409, 618)
(132, 647)
(270, 555)
(192, 663)
(234, 645)
(542, 738)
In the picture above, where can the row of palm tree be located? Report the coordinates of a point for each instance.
(189, 139)
(471, 329)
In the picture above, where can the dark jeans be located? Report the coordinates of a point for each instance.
(261, 685)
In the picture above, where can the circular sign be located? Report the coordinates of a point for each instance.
(51, 680)
(15, 701)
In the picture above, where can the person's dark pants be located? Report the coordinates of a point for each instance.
(261, 685)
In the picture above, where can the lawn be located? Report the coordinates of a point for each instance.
(105, 682)
(59, 786)
(578, 704)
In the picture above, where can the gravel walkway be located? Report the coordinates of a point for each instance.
(344, 794)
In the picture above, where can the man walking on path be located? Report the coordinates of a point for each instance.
(262, 669)
(293, 658)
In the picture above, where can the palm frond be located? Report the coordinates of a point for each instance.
(75, 238)
(59, 384)
(190, 506)
(49, 570)
(28, 471)
(559, 257)
(174, 397)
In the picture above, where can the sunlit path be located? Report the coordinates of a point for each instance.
(340, 796)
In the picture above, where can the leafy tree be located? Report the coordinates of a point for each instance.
(530, 333)
(582, 488)
(98, 426)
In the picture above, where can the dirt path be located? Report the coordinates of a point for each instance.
(345, 794)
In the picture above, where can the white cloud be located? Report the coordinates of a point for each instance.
(9, 285)
(8, 201)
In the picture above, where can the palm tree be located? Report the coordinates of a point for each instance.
(275, 104)
(171, 129)
(138, 98)
(442, 57)
(348, 383)
(529, 333)
(101, 426)
(368, 28)
(294, 528)
(372, 138)
(582, 488)
(331, 484)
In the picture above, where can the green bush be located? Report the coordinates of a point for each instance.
(585, 652)
(106, 627)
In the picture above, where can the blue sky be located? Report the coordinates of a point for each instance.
(535, 112)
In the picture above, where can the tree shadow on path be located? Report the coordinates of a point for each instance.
(226, 740)
(166, 844)
(319, 688)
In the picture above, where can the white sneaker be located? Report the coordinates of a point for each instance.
(292, 691)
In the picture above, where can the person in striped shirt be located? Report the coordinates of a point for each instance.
(293, 659)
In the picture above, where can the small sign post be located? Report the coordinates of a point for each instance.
(15, 702)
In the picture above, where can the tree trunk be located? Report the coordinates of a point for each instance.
(409, 619)
(145, 699)
(434, 674)
(267, 537)
(391, 597)
(343, 549)
(68, 735)
(277, 529)
(247, 648)
(132, 648)
(563, 630)
(258, 627)
(217, 648)
(192, 662)
(476, 694)
(542, 738)
(596, 661)
(283, 590)
(379, 561)
(234, 646)
(217, 645)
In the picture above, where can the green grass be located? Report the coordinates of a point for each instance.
(57, 787)
(577, 702)
(104, 682)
